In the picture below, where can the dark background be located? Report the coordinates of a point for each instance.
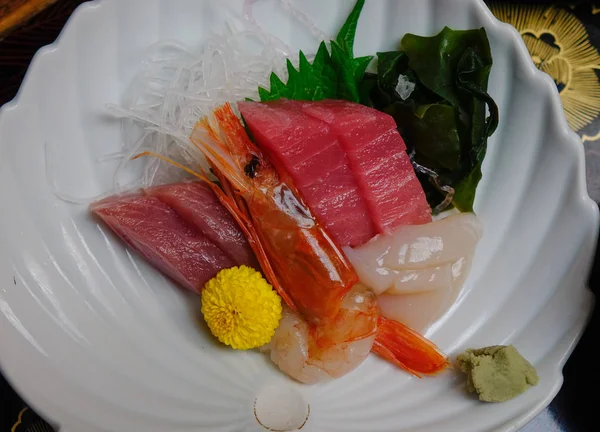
(575, 409)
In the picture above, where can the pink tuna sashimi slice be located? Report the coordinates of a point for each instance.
(197, 204)
(378, 159)
(303, 145)
(313, 156)
(162, 237)
(292, 138)
(336, 200)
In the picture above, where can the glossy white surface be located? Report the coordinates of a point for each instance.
(98, 341)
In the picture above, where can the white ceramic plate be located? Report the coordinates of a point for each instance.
(98, 341)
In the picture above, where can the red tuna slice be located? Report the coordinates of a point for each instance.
(317, 163)
(293, 139)
(404, 206)
(348, 116)
(378, 160)
(311, 170)
(164, 239)
(290, 136)
(197, 204)
(342, 212)
(337, 202)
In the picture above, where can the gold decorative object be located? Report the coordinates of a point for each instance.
(32, 424)
(559, 45)
(593, 8)
(14, 13)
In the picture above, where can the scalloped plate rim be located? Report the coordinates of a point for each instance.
(49, 409)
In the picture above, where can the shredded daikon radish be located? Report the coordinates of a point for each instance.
(306, 21)
(176, 85)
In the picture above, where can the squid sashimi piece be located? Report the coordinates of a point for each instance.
(412, 281)
(405, 281)
(439, 242)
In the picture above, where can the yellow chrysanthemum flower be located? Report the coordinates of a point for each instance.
(241, 308)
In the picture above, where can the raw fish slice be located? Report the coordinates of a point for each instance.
(378, 160)
(280, 127)
(370, 271)
(316, 161)
(164, 239)
(336, 201)
(417, 311)
(336, 207)
(343, 235)
(420, 246)
(346, 114)
(329, 160)
(420, 310)
(390, 185)
(442, 241)
(336, 183)
(398, 282)
(341, 211)
(196, 203)
(420, 269)
(305, 147)
(419, 280)
(414, 209)
(376, 151)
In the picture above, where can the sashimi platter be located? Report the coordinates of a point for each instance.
(319, 205)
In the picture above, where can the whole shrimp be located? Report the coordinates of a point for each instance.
(305, 266)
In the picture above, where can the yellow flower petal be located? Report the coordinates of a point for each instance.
(241, 308)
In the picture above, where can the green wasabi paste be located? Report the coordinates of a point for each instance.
(497, 373)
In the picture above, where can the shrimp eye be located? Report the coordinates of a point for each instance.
(250, 168)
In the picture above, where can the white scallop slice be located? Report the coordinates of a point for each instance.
(433, 244)
(424, 279)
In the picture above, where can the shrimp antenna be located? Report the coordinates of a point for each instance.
(202, 176)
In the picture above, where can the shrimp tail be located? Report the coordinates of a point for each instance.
(407, 349)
